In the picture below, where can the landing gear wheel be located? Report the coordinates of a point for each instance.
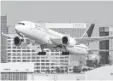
(41, 53)
(65, 53)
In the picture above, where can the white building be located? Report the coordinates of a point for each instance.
(15, 67)
(16, 71)
(111, 45)
(72, 29)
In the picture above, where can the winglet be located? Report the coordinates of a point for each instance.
(89, 31)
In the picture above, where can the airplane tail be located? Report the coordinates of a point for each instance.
(89, 31)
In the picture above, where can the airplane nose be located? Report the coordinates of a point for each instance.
(18, 28)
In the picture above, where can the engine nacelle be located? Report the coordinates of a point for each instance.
(18, 41)
(69, 41)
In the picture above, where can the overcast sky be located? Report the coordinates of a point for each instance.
(88, 12)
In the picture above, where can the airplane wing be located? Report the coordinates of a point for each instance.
(101, 50)
(92, 39)
(6, 35)
(56, 41)
(31, 45)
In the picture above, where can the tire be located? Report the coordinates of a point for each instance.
(41, 53)
(65, 53)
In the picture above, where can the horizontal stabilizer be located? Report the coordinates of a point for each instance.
(6, 35)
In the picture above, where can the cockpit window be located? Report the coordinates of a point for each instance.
(22, 23)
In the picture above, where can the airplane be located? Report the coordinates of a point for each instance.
(48, 38)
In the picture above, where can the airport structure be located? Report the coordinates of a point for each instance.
(12, 71)
(71, 29)
(106, 57)
(4, 29)
(111, 45)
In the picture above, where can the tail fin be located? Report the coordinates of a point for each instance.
(89, 31)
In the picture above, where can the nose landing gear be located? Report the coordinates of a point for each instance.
(66, 52)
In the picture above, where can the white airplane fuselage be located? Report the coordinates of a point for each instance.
(43, 36)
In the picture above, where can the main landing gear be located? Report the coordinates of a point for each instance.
(42, 53)
(66, 52)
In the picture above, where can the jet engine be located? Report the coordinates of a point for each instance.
(18, 41)
(69, 41)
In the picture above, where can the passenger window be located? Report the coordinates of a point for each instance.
(21, 23)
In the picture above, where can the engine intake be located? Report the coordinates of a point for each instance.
(18, 41)
(65, 40)
(69, 41)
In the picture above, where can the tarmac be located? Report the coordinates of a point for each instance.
(102, 73)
